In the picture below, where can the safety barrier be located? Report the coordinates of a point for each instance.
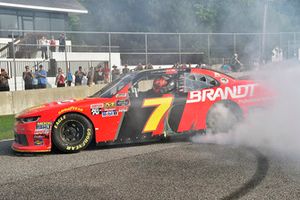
(16, 101)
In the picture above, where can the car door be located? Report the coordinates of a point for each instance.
(187, 115)
(145, 118)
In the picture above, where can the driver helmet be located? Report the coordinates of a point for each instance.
(159, 83)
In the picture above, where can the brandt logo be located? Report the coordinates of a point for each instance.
(235, 92)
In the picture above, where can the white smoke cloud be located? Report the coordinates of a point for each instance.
(276, 128)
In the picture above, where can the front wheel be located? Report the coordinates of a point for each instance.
(72, 133)
(222, 118)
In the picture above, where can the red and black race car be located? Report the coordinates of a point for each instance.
(137, 107)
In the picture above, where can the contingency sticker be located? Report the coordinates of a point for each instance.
(109, 113)
(109, 105)
(96, 108)
(42, 128)
(38, 140)
(224, 80)
(123, 102)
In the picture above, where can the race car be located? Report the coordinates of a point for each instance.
(138, 107)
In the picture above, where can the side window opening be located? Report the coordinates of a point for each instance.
(144, 86)
(194, 82)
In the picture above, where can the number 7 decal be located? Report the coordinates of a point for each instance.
(162, 105)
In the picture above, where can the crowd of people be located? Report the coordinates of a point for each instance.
(51, 44)
(37, 78)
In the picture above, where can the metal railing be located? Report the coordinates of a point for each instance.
(158, 48)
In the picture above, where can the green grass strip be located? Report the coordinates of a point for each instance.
(6, 127)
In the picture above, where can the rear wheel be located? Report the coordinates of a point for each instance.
(223, 117)
(72, 133)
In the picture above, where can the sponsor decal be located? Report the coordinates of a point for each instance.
(171, 71)
(42, 132)
(97, 105)
(72, 108)
(38, 140)
(217, 74)
(224, 80)
(109, 104)
(123, 102)
(121, 95)
(251, 100)
(96, 108)
(109, 113)
(123, 109)
(42, 128)
(59, 121)
(235, 92)
(43, 125)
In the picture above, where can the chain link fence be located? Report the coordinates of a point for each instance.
(22, 48)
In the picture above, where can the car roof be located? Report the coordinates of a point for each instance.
(177, 70)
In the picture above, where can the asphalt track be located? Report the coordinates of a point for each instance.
(174, 170)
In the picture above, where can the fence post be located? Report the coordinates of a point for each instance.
(109, 60)
(208, 48)
(294, 45)
(14, 60)
(179, 47)
(234, 43)
(146, 48)
(66, 55)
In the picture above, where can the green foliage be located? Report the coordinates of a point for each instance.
(186, 15)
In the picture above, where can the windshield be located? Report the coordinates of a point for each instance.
(112, 88)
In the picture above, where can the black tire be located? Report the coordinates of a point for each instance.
(72, 133)
(223, 117)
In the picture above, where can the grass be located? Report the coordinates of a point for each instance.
(6, 127)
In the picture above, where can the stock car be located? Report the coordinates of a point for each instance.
(138, 107)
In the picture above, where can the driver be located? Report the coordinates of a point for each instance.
(161, 85)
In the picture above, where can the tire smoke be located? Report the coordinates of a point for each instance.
(275, 128)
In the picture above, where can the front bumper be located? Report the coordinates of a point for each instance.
(29, 149)
(28, 139)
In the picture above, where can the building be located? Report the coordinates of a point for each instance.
(46, 15)
(22, 25)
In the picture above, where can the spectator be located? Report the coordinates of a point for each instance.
(60, 78)
(98, 75)
(44, 46)
(115, 73)
(235, 63)
(90, 76)
(183, 66)
(149, 66)
(27, 77)
(139, 67)
(52, 44)
(62, 43)
(69, 78)
(125, 70)
(79, 76)
(42, 77)
(105, 72)
(35, 81)
(4, 86)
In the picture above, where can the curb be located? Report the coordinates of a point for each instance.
(6, 140)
